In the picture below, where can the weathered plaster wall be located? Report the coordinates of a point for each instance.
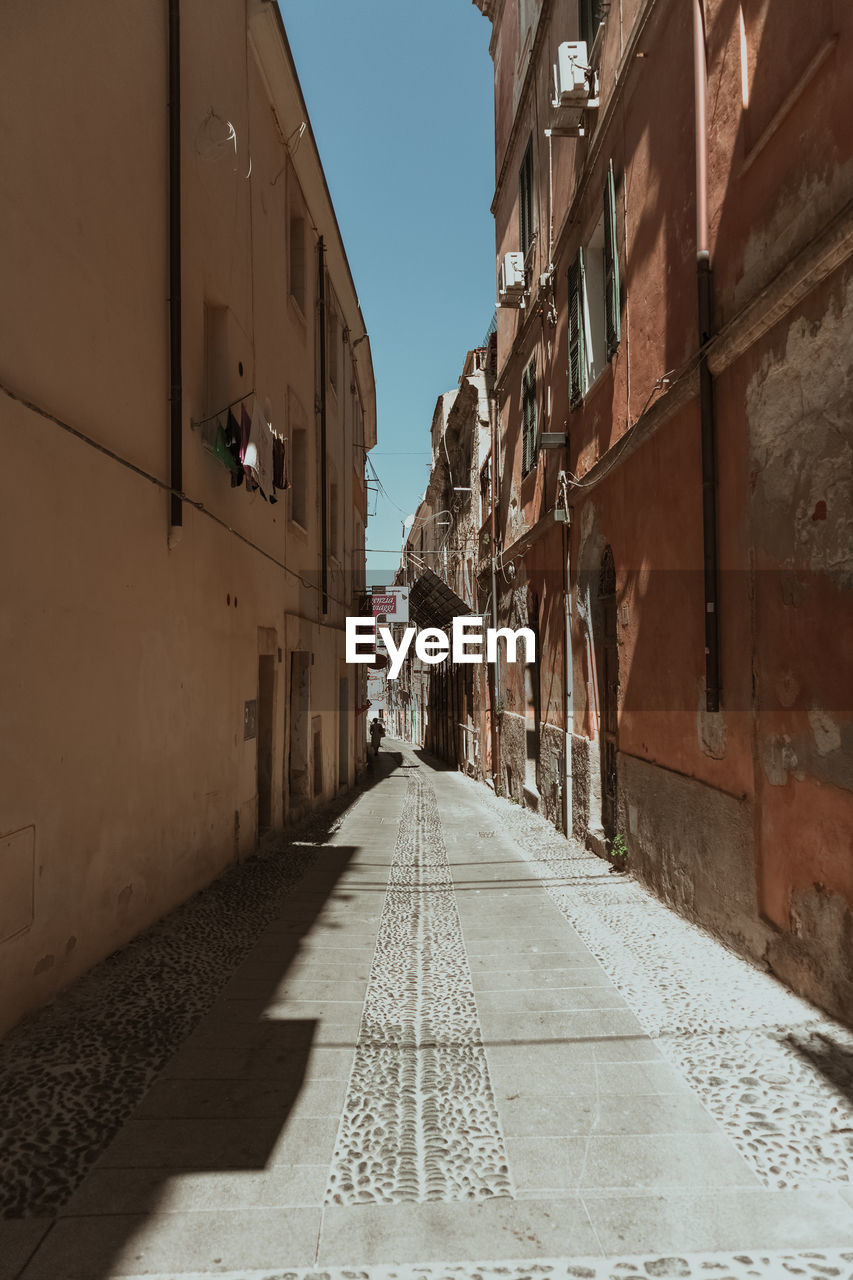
(128, 781)
(690, 843)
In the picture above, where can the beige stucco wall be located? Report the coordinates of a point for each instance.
(128, 664)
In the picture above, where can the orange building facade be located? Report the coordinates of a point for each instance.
(673, 479)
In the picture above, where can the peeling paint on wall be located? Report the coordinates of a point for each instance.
(799, 407)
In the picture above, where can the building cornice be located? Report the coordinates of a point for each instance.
(273, 55)
(529, 77)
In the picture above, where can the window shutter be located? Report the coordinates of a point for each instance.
(611, 267)
(577, 343)
(528, 417)
(525, 199)
(590, 17)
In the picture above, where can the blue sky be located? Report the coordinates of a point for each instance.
(401, 102)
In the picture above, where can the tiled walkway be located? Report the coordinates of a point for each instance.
(424, 1067)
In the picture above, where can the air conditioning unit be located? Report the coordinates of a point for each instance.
(574, 80)
(513, 284)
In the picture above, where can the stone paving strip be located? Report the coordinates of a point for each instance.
(709, 1266)
(420, 1121)
(774, 1072)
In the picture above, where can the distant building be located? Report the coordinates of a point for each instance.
(674, 237)
(173, 643)
(445, 708)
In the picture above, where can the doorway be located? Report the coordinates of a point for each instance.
(266, 702)
(343, 731)
(608, 693)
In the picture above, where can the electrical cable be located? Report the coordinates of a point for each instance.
(162, 485)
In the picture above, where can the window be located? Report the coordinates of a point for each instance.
(612, 307)
(486, 489)
(594, 301)
(333, 520)
(577, 331)
(299, 478)
(526, 226)
(590, 17)
(524, 19)
(528, 418)
(297, 260)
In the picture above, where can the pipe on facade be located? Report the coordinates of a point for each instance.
(569, 684)
(176, 399)
(707, 416)
(324, 541)
(496, 669)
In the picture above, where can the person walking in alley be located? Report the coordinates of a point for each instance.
(377, 733)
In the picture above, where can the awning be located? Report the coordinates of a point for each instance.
(432, 603)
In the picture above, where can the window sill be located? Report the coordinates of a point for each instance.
(297, 308)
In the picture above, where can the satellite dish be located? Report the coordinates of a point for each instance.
(380, 661)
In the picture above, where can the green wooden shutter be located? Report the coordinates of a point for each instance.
(577, 336)
(525, 199)
(612, 309)
(590, 17)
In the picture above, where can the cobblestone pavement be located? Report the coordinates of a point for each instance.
(774, 1072)
(433, 1039)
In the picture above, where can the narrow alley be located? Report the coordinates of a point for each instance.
(427, 1036)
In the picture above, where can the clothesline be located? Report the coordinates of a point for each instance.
(201, 422)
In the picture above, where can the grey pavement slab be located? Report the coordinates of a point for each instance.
(220, 1144)
(579, 1024)
(138, 1191)
(19, 1239)
(216, 1099)
(671, 1162)
(511, 980)
(712, 1220)
(498, 1228)
(268, 1057)
(117, 1245)
(549, 1000)
(557, 1115)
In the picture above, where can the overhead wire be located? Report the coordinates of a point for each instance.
(162, 485)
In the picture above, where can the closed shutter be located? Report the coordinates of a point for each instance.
(577, 343)
(525, 200)
(612, 317)
(528, 418)
(590, 16)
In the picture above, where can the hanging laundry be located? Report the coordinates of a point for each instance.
(279, 463)
(208, 431)
(221, 450)
(234, 441)
(258, 458)
(246, 430)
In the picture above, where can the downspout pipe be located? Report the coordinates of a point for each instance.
(324, 536)
(496, 677)
(569, 685)
(176, 401)
(707, 415)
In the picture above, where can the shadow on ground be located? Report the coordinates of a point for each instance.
(72, 1074)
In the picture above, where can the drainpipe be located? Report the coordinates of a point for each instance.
(176, 471)
(569, 685)
(324, 548)
(496, 732)
(706, 385)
